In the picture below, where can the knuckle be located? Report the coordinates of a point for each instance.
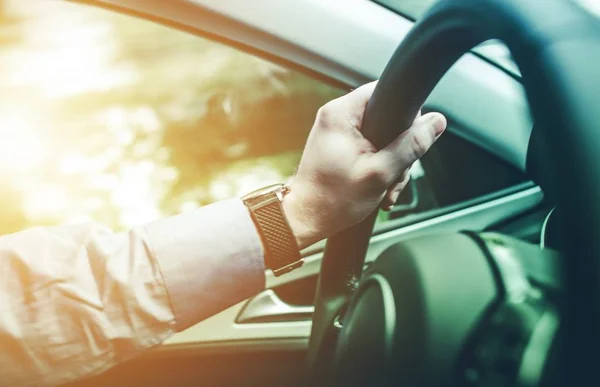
(418, 146)
(324, 114)
(378, 178)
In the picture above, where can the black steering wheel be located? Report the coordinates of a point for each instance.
(463, 309)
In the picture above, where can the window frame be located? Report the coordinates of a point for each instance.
(403, 12)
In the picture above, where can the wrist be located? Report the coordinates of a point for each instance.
(300, 221)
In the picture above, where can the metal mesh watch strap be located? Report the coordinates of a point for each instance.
(282, 253)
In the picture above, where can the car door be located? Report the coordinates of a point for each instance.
(245, 83)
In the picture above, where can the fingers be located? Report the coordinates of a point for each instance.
(392, 194)
(347, 111)
(419, 114)
(363, 94)
(412, 144)
(356, 101)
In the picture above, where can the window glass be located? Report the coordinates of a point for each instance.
(122, 121)
(410, 8)
(458, 171)
(119, 120)
(454, 171)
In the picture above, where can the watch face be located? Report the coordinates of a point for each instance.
(263, 191)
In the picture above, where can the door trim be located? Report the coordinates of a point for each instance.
(222, 327)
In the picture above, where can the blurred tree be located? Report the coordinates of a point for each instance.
(140, 117)
(216, 105)
(11, 217)
(10, 25)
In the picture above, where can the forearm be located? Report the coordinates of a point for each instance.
(77, 300)
(211, 259)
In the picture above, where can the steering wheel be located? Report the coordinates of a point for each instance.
(463, 308)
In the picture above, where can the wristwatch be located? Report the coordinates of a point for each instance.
(281, 250)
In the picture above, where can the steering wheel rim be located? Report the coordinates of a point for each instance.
(555, 44)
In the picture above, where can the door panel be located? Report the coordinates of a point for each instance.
(223, 326)
(242, 363)
(222, 351)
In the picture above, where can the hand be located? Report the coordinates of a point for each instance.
(342, 178)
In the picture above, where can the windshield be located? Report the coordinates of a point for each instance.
(411, 8)
(414, 9)
(591, 6)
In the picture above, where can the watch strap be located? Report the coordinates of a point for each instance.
(282, 253)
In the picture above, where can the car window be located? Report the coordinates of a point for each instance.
(111, 118)
(453, 172)
(411, 8)
(115, 119)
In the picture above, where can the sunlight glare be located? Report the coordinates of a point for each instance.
(21, 148)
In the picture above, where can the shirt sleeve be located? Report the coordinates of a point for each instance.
(76, 300)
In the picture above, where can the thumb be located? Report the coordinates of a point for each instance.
(411, 145)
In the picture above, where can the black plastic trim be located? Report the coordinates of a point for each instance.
(291, 344)
(402, 222)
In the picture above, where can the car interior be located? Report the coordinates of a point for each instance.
(484, 272)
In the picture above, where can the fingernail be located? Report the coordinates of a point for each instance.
(395, 196)
(438, 121)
